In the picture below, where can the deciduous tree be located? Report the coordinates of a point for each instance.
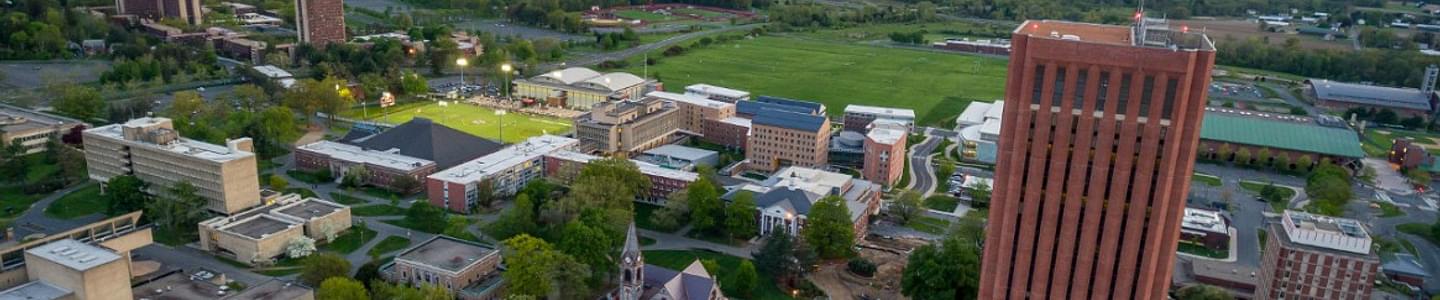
(319, 268)
(740, 219)
(828, 228)
(341, 288)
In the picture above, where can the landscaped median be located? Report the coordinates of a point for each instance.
(1207, 179)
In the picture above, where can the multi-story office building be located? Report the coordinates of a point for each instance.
(190, 11)
(505, 171)
(717, 93)
(469, 270)
(884, 160)
(1317, 257)
(858, 117)
(693, 110)
(69, 269)
(261, 235)
(1097, 148)
(150, 149)
(782, 138)
(627, 127)
(32, 129)
(320, 22)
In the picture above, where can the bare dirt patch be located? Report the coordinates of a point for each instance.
(889, 257)
(1220, 29)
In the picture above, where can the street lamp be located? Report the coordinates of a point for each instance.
(501, 113)
(506, 69)
(462, 63)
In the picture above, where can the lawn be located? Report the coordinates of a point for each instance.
(377, 210)
(641, 15)
(345, 199)
(304, 192)
(1418, 229)
(472, 119)
(942, 203)
(1210, 180)
(1285, 193)
(389, 244)
(308, 177)
(83, 202)
(929, 225)
(679, 259)
(349, 241)
(1388, 210)
(1194, 249)
(1377, 142)
(936, 31)
(700, 12)
(643, 211)
(16, 201)
(935, 85)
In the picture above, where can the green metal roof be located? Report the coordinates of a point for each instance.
(1304, 137)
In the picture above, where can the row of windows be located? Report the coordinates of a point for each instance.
(1081, 84)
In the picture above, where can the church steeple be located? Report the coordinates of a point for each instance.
(632, 267)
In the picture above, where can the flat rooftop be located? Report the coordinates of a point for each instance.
(506, 158)
(14, 119)
(888, 136)
(35, 290)
(890, 112)
(447, 253)
(258, 226)
(645, 167)
(681, 152)
(1156, 35)
(1270, 133)
(689, 98)
(388, 158)
(74, 254)
(176, 286)
(1397, 97)
(1337, 234)
(310, 209)
(701, 88)
(1204, 220)
(182, 146)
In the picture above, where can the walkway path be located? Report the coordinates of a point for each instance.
(672, 241)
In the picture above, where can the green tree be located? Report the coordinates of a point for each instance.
(1202, 292)
(441, 53)
(949, 270)
(278, 183)
(320, 267)
(588, 245)
(251, 97)
(1242, 156)
(81, 102)
(519, 219)
(1262, 157)
(907, 207)
(125, 193)
(980, 195)
(746, 280)
(426, 218)
(277, 126)
(740, 219)
(341, 288)
(413, 84)
(706, 209)
(72, 163)
(310, 96)
(528, 261)
(777, 256)
(1304, 162)
(180, 207)
(1418, 176)
(675, 213)
(828, 228)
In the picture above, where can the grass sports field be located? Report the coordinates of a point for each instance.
(936, 85)
(472, 119)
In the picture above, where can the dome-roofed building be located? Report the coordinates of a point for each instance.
(582, 88)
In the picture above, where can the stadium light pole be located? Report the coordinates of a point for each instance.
(501, 113)
(462, 63)
(506, 69)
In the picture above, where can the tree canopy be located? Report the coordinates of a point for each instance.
(828, 228)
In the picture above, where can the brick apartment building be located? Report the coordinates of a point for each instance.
(565, 165)
(381, 168)
(733, 132)
(190, 11)
(627, 127)
(694, 110)
(506, 171)
(1317, 257)
(1126, 100)
(151, 150)
(884, 148)
(468, 269)
(858, 117)
(320, 22)
(782, 138)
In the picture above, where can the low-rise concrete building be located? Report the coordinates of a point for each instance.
(1205, 228)
(979, 127)
(566, 165)
(260, 235)
(627, 127)
(202, 284)
(784, 200)
(32, 129)
(150, 149)
(680, 157)
(858, 117)
(505, 171)
(468, 269)
(70, 269)
(582, 88)
(384, 168)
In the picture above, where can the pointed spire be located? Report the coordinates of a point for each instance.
(632, 243)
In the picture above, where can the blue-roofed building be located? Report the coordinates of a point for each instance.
(1404, 267)
(748, 109)
(781, 138)
(815, 108)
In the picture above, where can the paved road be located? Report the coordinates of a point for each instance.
(34, 220)
(922, 174)
(1247, 213)
(673, 241)
(597, 58)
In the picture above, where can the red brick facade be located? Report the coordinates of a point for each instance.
(448, 195)
(1087, 203)
(887, 170)
(320, 22)
(1296, 271)
(375, 175)
(660, 187)
(727, 134)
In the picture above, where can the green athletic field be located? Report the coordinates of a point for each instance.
(472, 119)
(936, 85)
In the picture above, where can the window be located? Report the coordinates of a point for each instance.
(1080, 89)
(1103, 92)
(1146, 90)
(1039, 84)
(1058, 87)
(1124, 105)
(1167, 109)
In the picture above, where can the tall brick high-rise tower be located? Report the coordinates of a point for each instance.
(320, 22)
(1097, 145)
